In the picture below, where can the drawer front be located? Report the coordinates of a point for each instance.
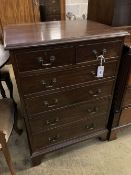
(125, 117)
(53, 119)
(56, 100)
(41, 59)
(49, 81)
(127, 98)
(90, 52)
(76, 129)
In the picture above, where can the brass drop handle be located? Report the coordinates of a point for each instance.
(52, 122)
(95, 94)
(93, 111)
(52, 58)
(93, 73)
(53, 139)
(46, 103)
(103, 53)
(95, 53)
(100, 57)
(42, 61)
(90, 127)
(53, 81)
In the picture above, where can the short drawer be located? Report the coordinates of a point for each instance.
(125, 117)
(73, 130)
(52, 119)
(65, 78)
(127, 98)
(90, 52)
(56, 100)
(42, 59)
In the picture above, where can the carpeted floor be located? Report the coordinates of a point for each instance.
(91, 157)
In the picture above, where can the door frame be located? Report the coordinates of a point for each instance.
(62, 5)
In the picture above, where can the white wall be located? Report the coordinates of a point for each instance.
(76, 8)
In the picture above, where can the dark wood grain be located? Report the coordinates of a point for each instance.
(45, 58)
(85, 52)
(76, 129)
(42, 82)
(97, 11)
(129, 79)
(122, 13)
(119, 12)
(51, 101)
(26, 35)
(52, 10)
(57, 118)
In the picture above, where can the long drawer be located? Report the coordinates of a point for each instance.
(56, 118)
(42, 59)
(64, 98)
(73, 130)
(54, 80)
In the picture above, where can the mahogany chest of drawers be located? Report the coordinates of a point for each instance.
(55, 64)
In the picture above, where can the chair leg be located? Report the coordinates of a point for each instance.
(6, 153)
(10, 87)
(2, 90)
(17, 130)
(9, 84)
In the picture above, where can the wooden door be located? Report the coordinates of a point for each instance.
(19, 11)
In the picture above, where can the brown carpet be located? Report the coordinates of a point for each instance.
(91, 157)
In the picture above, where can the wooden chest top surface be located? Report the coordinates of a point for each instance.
(38, 34)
